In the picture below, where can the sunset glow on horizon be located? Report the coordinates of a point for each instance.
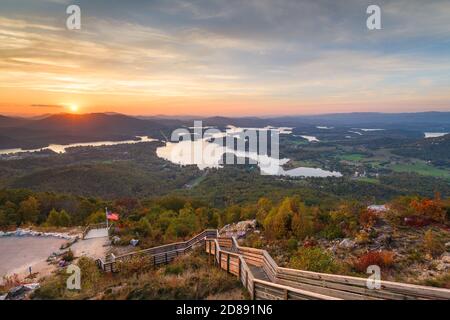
(223, 58)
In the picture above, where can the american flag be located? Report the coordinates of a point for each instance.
(112, 216)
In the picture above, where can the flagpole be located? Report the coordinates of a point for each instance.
(106, 212)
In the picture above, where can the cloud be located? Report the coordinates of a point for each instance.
(47, 106)
(280, 51)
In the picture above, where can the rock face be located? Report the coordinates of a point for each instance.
(28, 232)
(443, 264)
(20, 292)
(239, 229)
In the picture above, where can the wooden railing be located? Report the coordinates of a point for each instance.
(237, 264)
(264, 279)
(94, 226)
(157, 255)
(285, 283)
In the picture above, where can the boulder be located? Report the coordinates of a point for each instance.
(445, 258)
(441, 266)
(347, 244)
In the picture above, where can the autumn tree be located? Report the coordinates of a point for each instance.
(291, 217)
(262, 209)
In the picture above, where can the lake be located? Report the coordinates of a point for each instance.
(59, 148)
(434, 134)
(206, 154)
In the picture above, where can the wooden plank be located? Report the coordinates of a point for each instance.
(323, 290)
(396, 287)
(306, 293)
(367, 293)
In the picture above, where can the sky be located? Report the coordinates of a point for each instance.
(224, 57)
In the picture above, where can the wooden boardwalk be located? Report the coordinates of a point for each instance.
(264, 279)
(96, 233)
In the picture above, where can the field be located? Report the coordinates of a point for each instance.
(352, 157)
(422, 169)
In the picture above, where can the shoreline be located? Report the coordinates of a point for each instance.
(23, 248)
(19, 232)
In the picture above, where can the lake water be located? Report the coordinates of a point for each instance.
(59, 148)
(206, 154)
(369, 130)
(434, 134)
(310, 138)
(18, 253)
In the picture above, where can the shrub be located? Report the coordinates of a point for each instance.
(430, 208)
(313, 259)
(174, 269)
(68, 256)
(50, 290)
(90, 273)
(432, 244)
(362, 237)
(383, 259)
(254, 240)
(442, 281)
(10, 282)
(134, 266)
(332, 231)
(292, 244)
(367, 218)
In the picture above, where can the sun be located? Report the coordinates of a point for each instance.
(74, 108)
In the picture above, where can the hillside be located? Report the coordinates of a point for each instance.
(71, 128)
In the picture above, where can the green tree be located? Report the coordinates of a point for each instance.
(96, 217)
(10, 214)
(53, 218)
(64, 218)
(29, 210)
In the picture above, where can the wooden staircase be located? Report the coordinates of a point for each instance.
(264, 279)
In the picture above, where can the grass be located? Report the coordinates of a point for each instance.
(422, 169)
(352, 157)
(189, 277)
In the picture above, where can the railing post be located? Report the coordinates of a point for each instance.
(220, 259)
(239, 268)
(228, 263)
(246, 279)
(165, 254)
(209, 252)
(253, 291)
(286, 294)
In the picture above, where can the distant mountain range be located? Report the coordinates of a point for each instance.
(70, 128)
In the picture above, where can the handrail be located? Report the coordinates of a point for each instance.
(167, 251)
(94, 226)
(333, 285)
(285, 283)
(250, 281)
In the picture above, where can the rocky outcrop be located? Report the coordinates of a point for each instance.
(239, 229)
(31, 233)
